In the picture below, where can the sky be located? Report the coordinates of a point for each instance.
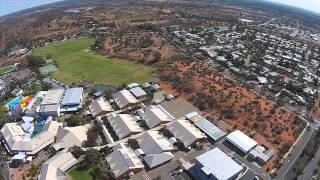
(10, 6)
(312, 5)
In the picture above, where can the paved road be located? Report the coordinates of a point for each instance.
(289, 162)
(308, 172)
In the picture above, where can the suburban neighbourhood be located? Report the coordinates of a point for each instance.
(161, 90)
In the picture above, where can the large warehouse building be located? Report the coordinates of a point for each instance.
(215, 164)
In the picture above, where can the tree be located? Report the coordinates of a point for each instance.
(133, 143)
(35, 61)
(100, 172)
(157, 56)
(165, 131)
(4, 118)
(92, 157)
(106, 150)
(73, 120)
(76, 151)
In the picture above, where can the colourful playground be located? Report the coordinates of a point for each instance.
(21, 101)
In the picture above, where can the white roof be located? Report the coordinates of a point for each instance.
(52, 97)
(217, 163)
(138, 92)
(186, 132)
(124, 125)
(17, 140)
(99, 106)
(151, 142)
(155, 115)
(124, 98)
(55, 167)
(123, 161)
(241, 141)
(71, 136)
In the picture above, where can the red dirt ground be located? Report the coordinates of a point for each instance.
(251, 111)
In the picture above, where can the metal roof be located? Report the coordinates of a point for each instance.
(153, 160)
(138, 92)
(218, 164)
(210, 129)
(73, 96)
(241, 141)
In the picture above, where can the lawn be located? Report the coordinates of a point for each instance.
(5, 70)
(77, 62)
(77, 174)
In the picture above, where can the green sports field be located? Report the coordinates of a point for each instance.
(5, 70)
(76, 62)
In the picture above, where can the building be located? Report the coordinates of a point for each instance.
(156, 160)
(151, 142)
(33, 106)
(124, 98)
(100, 107)
(138, 92)
(210, 129)
(124, 162)
(215, 165)
(241, 141)
(186, 132)
(50, 110)
(71, 136)
(72, 99)
(16, 140)
(260, 154)
(56, 167)
(156, 115)
(124, 125)
(50, 105)
(52, 97)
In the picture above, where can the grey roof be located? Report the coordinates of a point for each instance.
(138, 92)
(73, 96)
(153, 160)
(218, 164)
(210, 129)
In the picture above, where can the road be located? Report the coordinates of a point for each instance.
(290, 161)
(308, 172)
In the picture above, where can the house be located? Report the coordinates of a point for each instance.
(16, 140)
(71, 136)
(124, 162)
(124, 98)
(124, 125)
(186, 132)
(156, 160)
(138, 92)
(241, 141)
(72, 99)
(156, 115)
(215, 165)
(56, 167)
(100, 107)
(210, 129)
(151, 142)
(260, 154)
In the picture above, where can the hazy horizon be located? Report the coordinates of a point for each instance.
(311, 5)
(11, 6)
